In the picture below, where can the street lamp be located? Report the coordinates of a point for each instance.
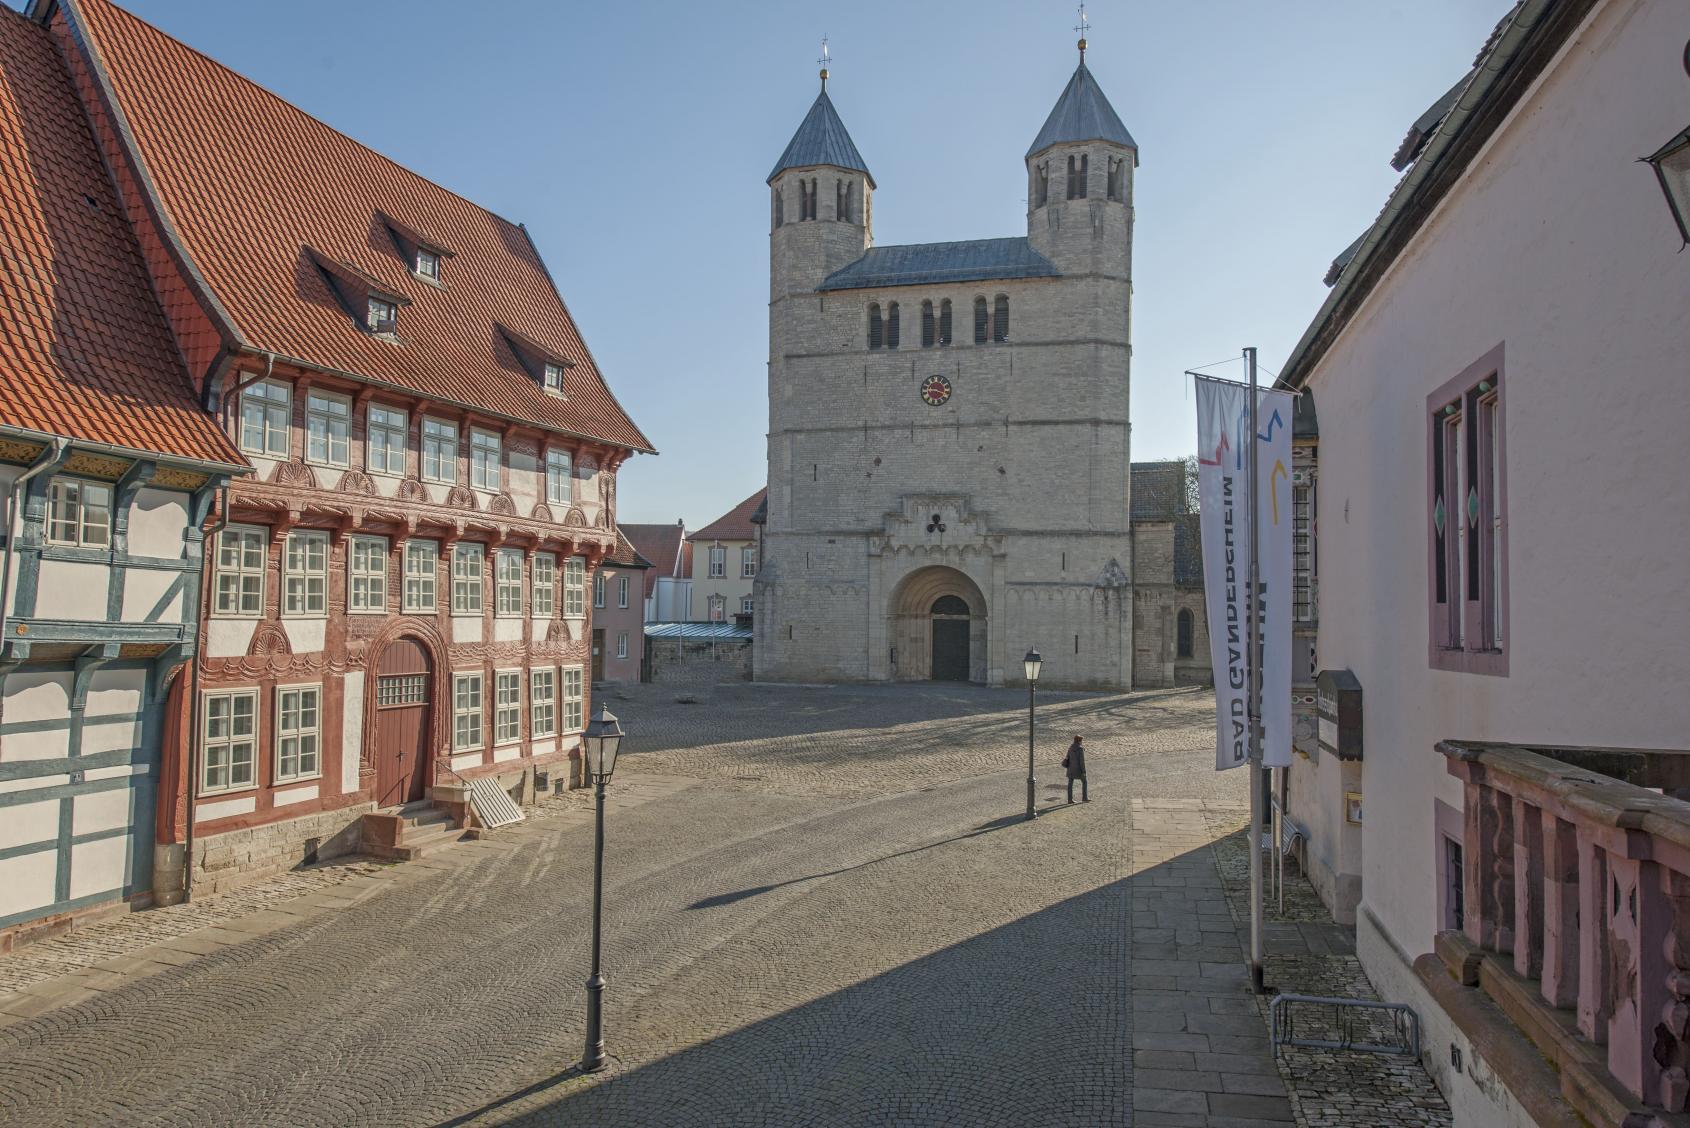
(1671, 163)
(600, 743)
(1030, 666)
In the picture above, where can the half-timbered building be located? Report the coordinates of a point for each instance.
(397, 596)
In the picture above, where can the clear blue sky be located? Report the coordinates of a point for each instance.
(634, 141)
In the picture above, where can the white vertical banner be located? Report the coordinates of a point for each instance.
(1223, 476)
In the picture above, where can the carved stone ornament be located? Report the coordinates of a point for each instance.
(575, 517)
(542, 512)
(462, 497)
(357, 482)
(412, 490)
(502, 503)
(294, 475)
(558, 631)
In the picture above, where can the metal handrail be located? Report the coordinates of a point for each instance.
(1404, 1021)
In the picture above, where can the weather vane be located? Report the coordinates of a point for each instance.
(824, 61)
(1082, 27)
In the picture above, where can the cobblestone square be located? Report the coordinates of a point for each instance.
(822, 907)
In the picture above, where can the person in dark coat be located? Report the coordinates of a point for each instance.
(1075, 762)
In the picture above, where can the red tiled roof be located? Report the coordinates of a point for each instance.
(662, 545)
(249, 182)
(735, 524)
(84, 348)
(626, 555)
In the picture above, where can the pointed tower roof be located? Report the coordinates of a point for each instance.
(1082, 114)
(822, 140)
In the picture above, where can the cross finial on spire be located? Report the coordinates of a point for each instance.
(824, 61)
(1083, 27)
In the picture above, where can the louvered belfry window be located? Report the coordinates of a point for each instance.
(1000, 319)
(979, 321)
(928, 328)
(876, 338)
(842, 201)
(892, 326)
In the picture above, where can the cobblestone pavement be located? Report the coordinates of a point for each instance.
(822, 907)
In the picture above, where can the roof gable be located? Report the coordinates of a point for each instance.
(1082, 113)
(736, 523)
(822, 139)
(192, 121)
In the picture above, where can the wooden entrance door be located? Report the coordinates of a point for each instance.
(598, 654)
(404, 686)
(950, 639)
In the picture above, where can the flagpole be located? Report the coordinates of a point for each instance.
(1255, 703)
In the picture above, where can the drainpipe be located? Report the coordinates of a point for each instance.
(195, 734)
(50, 456)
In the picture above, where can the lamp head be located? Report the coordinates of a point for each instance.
(1030, 665)
(600, 744)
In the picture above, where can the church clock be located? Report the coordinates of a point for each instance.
(935, 390)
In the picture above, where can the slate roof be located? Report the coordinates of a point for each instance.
(1421, 130)
(736, 523)
(822, 139)
(1082, 113)
(1158, 490)
(85, 351)
(625, 555)
(917, 264)
(248, 182)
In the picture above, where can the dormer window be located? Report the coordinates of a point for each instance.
(554, 377)
(383, 315)
(370, 302)
(544, 365)
(428, 264)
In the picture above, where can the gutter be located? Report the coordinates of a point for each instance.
(1357, 280)
(200, 464)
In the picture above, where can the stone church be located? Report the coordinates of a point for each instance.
(948, 433)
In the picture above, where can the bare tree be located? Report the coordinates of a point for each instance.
(1191, 503)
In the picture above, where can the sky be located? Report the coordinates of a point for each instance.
(634, 142)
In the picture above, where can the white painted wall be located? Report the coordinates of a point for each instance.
(1559, 245)
(351, 729)
(72, 590)
(228, 638)
(157, 520)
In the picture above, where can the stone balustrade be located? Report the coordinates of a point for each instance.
(1577, 867)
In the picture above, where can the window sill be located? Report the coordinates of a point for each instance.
(420, 611)
(327, 465)
(306, 616)
(238, 616)
(467, 615)
(226, 792)
(438, 481)
(291, 780)
(366, 611)
(427, 281)
(467, 751)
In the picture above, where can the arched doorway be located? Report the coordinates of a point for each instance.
(404, 717)
(938, 627)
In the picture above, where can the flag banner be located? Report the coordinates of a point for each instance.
(1223, 476)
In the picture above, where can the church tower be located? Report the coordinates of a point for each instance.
(948, 437)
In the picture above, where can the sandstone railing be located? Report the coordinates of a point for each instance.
(1573, 865)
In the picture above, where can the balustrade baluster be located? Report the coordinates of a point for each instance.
(1528, 889)
(1560, 911)
(1594, 972)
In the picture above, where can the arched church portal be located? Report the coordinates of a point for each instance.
(938, 627)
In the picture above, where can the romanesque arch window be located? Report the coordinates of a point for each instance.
(876, 330)
(980, 321)
(1000, 319)
(1077, 170)
(1187, 625)
(807, 199)
(842, 201)
(780, 205)
(1041, 184)
(892, 325)
(1117, 174)
(929, 330)
(945, 322)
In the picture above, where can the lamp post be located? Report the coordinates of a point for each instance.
(1030, 666)
(600, 743)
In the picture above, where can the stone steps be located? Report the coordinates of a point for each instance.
(411, 832)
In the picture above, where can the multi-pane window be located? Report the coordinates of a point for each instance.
(573, 698)
(305, 590)
(507, 582)
(79, 513)
(1302, 554)
(328, 421)
(748, 561)
(507, 706)
(467, 707)
(383, 315)
(542, 703)
(1468, 604)
(484, 460)
(621, 591)
(542, 586)
(230, 734)
(240, 571)
(553, 377)
(575, 586)
(422, 563)
(366, 589)
(560, 483)
(718, 608)
(385, 448)
(746, 604)
(428, 264)
(718, 561)
(981, 321)
(439, 450)
(264, 418)
(621, 644)
(468, 562)
(598, 589)
(298, 737)
(1000, 318)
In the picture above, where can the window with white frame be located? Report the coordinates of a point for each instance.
(439, 450)
(230, 728)
(598, 588)
(328, 428)
(560, 482)
(507, 582)
(264, 418)
(422, 564)
(748, 561)
(305, 589)
(718, 608)
(467, 717)
(468, 563)
(542, 703)
(621, 591)
(622, 644)
(1467, 510)
(79, 513)
(298, 736)
(383, 315)
(718, 561)
(745, 604)
(385, 447)
(554, 377)
(573, 697)
(507, 706)
(542, 586)
(428, 264)
(575, 585)
(366, 589)
(240, 571)
(484, 460)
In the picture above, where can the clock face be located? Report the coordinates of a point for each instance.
(935, 390)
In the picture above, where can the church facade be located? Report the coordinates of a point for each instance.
(948, 428)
